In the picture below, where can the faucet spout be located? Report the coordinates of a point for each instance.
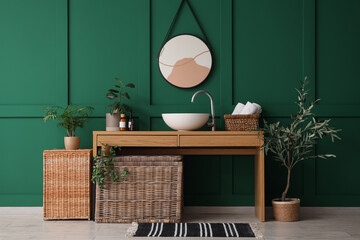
(212, 124)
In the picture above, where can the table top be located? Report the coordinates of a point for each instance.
(178, 133)
(68, 151)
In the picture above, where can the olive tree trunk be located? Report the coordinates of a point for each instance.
(283, 196)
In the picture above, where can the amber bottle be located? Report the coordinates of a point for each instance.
(122, 123)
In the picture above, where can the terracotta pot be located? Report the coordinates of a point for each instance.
(286, 211)
(72, 143)
(112, 122)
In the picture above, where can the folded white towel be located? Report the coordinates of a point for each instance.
(238, 109)
(259, 109)
(249, 108)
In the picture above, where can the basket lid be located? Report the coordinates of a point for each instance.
(148, 158)
(64, 151)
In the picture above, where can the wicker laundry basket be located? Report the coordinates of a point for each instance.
(67, 186)
(152, 191)
(241, 122)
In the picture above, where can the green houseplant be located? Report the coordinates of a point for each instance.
(293, 143)
(117, 94)
(70, 118)
(104, 167)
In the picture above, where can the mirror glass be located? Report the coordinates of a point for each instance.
(185, 61)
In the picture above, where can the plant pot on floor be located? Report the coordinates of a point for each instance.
(112, 121)
(72, 143)
(286, 211)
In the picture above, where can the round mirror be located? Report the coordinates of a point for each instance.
(185, 61)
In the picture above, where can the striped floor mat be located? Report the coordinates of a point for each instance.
(193, 230)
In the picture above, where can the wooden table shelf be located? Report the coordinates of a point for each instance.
(193, 143)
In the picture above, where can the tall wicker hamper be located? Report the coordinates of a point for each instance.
(67, 187)
(152, 191)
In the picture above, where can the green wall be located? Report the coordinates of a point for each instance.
(60, 51)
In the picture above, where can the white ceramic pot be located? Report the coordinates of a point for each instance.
(72, 143)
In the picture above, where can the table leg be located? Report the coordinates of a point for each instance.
(260, 185)
(95, 153)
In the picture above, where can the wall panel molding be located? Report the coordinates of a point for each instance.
(42, 58)
(260, 30)
(144, 89)
(309, 72)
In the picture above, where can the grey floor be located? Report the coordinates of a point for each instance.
(316, 223)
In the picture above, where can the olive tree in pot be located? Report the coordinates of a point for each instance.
(70, 118)
(117, 94)
(293, 143)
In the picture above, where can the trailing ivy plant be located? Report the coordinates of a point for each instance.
(104, 167)
(294, 142)
(70, 117)
(117, 95)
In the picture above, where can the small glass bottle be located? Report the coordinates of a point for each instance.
(131, 125)
(122, 123)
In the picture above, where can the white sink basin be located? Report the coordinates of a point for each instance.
(185, 121)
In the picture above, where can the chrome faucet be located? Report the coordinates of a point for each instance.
(212, 124)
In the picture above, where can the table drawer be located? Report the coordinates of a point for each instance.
(138, 141)
(219, 141)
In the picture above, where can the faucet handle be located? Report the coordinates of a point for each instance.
(212, 125)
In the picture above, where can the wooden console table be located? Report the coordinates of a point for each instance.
(193, 143)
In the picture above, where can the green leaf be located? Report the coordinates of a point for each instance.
(113, 90)
(125, 95)
(130, 85)
(117, 79)
(111, 96)
(127, 108)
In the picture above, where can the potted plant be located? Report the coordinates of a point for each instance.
(293, 143)
(104, 168)
(117, 94)
(70, 118)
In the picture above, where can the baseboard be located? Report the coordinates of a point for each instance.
(198, 210)
(268, 210)
(20, 210)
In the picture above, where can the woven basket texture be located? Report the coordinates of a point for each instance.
(67, 189)
(152, 191)
(241, 122)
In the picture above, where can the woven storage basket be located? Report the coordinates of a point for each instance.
(152, 191)
(241, 122)
(67, 188)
